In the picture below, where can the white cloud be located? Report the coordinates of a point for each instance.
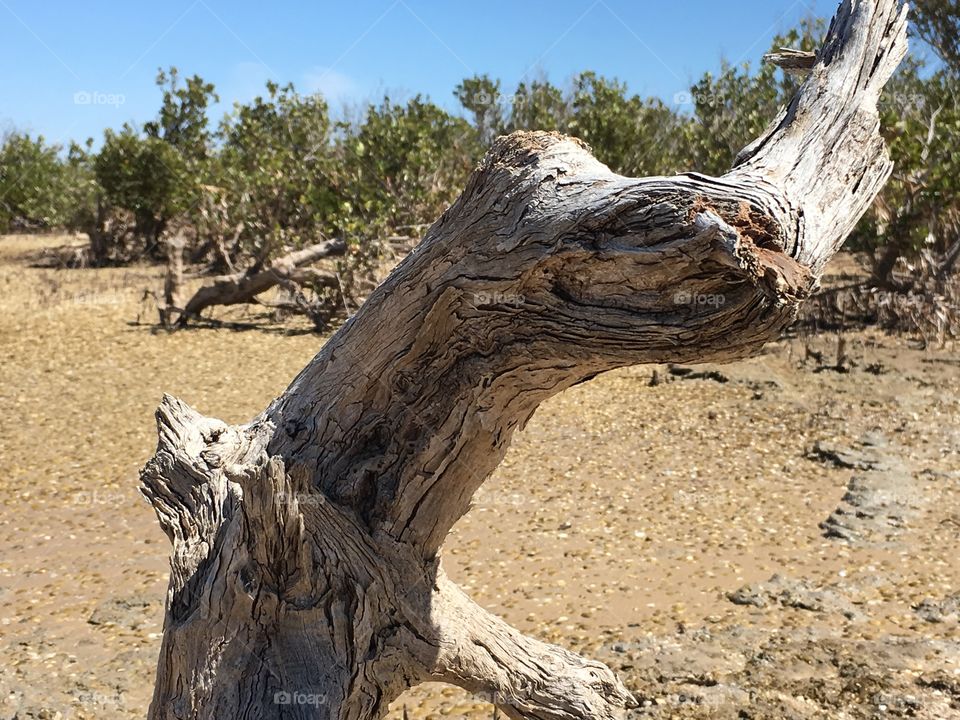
(333, 85)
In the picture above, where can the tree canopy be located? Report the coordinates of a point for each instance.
(278, 172)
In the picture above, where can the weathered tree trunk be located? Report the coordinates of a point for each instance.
(306, 579)
(173, 282)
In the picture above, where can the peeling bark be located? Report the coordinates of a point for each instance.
(306, 579)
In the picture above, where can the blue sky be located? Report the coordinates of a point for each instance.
(69, 69)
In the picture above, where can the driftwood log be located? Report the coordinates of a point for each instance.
(306, 577)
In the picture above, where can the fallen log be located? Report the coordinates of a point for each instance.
(306, 577)
(243, 287)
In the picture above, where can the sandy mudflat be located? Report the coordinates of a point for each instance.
(625, 518)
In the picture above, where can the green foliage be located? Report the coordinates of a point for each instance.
(275, 171)
(403, 165)
(286, 176)
(81, 191)
(634, 136)
(278, 173)
(920, 113)
(145, 175)
(32, 184)
(920, 205)
(158, 174)
(937, 22)
(182, 121)
(734, 107)
(480, 96)
(537, 105)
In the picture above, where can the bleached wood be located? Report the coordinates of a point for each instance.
(306, 544)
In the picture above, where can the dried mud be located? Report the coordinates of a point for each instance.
(708, 532)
